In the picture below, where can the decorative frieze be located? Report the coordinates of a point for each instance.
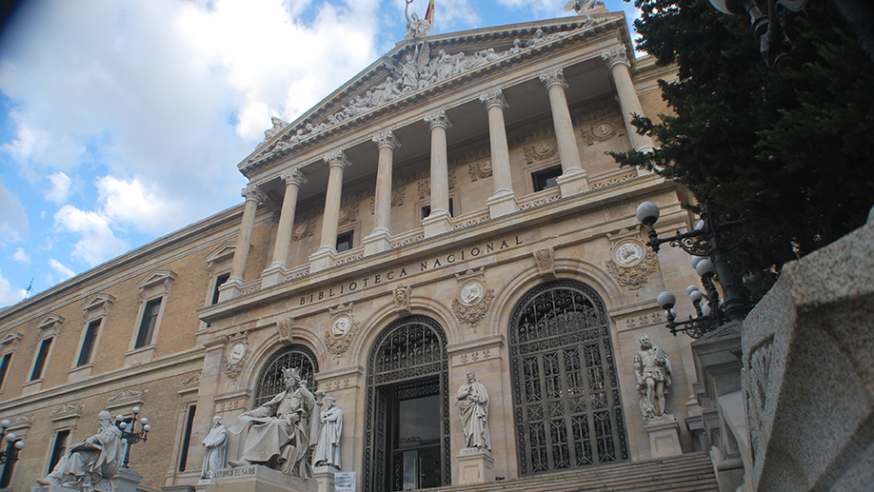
(460, 158)
(480, 170)
(600, 125)
(348, 214)
(304, 230)
(127, 398)
(540, 151)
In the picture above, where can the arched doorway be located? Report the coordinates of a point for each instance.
(270, 381)
(566, 396)
(407, 442)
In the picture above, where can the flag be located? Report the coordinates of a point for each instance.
(429, 15)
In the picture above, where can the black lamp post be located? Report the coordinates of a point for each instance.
(130, 435)
(707, 244)
(14, 444)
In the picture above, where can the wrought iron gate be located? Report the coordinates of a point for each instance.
(409, 354)
(566, 393)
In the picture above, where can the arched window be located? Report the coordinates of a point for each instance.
(407, 440)
(566, 396)
(270, 381)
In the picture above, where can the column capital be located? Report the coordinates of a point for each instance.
(494, 98)
(553, 77)
(615, 57)
(253, 192)
(438, 118)
(294, 176)
(386, 139)
(337, 158)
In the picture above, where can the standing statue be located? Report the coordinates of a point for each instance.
(653, 370)
(328, 450)
(216, 444)
(279, 432)
(91, 463)
(473, 403)
(416, 27)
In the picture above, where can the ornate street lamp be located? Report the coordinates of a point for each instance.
(707, 244)
(14, 444)
(129, 434)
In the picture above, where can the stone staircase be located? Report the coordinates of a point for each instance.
(687, 473)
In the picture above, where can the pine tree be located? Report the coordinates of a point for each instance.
(790, 152)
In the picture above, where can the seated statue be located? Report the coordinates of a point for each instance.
(279, 430)
(91, 463)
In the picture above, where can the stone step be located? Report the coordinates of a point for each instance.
(687, 473)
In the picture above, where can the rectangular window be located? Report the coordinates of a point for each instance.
(41, 357)
(546, 178)
(4, 367)
(426, 210)
(147, 326)
(59, 449)
(219, 281)
(88, 342)
(344, 241)
(186, 437)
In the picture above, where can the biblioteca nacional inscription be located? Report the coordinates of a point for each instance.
(422, 266)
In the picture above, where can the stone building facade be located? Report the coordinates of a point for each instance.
(450, 209)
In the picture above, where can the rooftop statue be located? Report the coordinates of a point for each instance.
(416, 27)
(279, 430)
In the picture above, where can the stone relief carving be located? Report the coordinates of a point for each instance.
(645, 320)
(652, 367)
(284, 329)
(600, 125)
(192, 380)
(464, 157)
(480, 170)
(473, 405)
(237, 350)
(540, 151)
(416, 27)
(68, 409)
(636, 276)
(348, 214)
(303, 230)
(127, 395)
(342, 330)
(412, 73)
(545, 260)
(397, 198)
(402, 299)
(475, 298)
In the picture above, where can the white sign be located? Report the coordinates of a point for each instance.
(344, 482)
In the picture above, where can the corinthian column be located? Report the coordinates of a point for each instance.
(503, 201)
(275, 273)
(231, 288)
(573, 179)
(380, 238)
(324, 257)
(619, 67)
(439, 220)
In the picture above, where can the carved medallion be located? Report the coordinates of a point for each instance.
(541, 150)
(342, 330)
(628, 253)
(636, 275)
(341, 326)
(303, 230)
(475, 298)
(480, 170)
(236, 350)
(472, 292)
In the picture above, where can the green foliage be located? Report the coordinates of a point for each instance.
(790, 152)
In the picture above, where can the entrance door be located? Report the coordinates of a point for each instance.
(407, 434)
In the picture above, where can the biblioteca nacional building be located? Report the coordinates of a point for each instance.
(440, 253)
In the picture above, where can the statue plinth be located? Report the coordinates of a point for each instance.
(475, 466)
(664, 436)
(324, 475)
(51, 488)
(256, 478)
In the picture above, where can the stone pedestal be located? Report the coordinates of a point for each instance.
(255, 478)
(230, 289)
(126, 480)
(664, 438)
(324, 475)
(51, 488)
(573, 181)
(322, 259)
(437, 223)
(475, 466)
(377, 241)
(502, 204)
(272, 275)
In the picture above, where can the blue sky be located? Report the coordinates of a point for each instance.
(122, 121)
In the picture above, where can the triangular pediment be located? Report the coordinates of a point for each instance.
(156, 277)
(11, 338)
(223, 252)
(51, 322)
(98, 301)
(421, 67)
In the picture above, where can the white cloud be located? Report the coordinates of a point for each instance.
(13, 219)
(8, 295)
(96, 243)
(61, 269)
(60, 188)
(132, 203)
(20, 256)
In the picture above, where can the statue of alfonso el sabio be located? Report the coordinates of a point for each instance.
(279, 430)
